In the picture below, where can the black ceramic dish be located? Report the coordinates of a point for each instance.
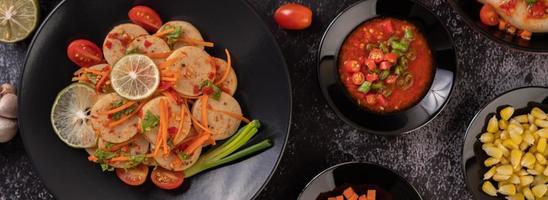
(263, 92)
(354, 173)
(470, 9)
(523, 100)
(443, 53)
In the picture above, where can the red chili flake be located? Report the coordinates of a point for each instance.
(537, 10)
(147, 43)
(211, 75)
(108, 44)
(172, 131)
(125, 149)
(508, 6)
(196, 89)
(164, 85)
(113, 35)
(207, 90)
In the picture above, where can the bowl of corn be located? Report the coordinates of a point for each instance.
(505, 149)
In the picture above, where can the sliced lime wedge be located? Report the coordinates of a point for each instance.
(18, 18)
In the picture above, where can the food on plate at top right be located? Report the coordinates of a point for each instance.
(516, 17)
(386, 65)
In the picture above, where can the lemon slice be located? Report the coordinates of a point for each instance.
(135, 77)
(70, 115)
(18, 18)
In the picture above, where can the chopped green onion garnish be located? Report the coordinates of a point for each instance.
(377, 86)
(398, 70)
(384, 47)
(408, 33)
(530, 1)
(384, 74)
(365, 87)
(386, 92)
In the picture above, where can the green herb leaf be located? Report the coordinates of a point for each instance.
(173, 36)
(531, 1)
(365, 87)
(102, 155)
(150, 121)
(106, 167)
(408, 34)
(133, 51)
(183, 156)
(216, 90)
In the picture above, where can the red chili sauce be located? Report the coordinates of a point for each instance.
(386, 65)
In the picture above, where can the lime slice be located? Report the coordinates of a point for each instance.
(18, 18)
(135, 77)
(70, 115)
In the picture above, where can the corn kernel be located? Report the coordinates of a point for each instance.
(504, 161)
(521, 118)
(530, 119)
(500, 177)
(523, 172)
(525, 126)
(523, 146)
(541, 146)
(493, 125)
(493, 152)
(490, 173)
(508, 189)
(542, 133)
(514, 179)
(528, 138)
(491, 161)
(509, 144)
(539, 168)
(525, 180)
(503, 124)
(543, 198)
(533, 172)
(538, 113)
(515, 129)
(505, 170)
(528, 160)
(540, 158)
(507, 112)
(541, 123)
(516, 138)
(505, 151)
(489, 189)
(538, 190)
(533, 128)
(540, 179)
(487, 137)
(498, 141)
(503, 135)
(527, 193)
(517, 196)
(545, 172)
(515, 158)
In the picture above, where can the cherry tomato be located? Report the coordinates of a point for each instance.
(387, 27)
(371, 99)
(537, 10)
(370, 64)
(371, 77)
(385, 65)
(381, 100)
(166, 179)
(488, 16)
(391, 79)
(351, 66)
(84, 53)
(391, 57)
(145, 17)
(293, 16)
(358, 78)
(376, 55)
(133, 176)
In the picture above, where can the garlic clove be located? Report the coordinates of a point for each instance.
(8, 106)
(7, 89)
(8, 128)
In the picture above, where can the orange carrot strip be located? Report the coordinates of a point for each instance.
(79, 71)
(231, 114)
(169, 62)
(362, 197)
(196, 42)
(123, 119)
(228, 68)
(163, 32)
(197, 123)
(92, 158)
(164, 117)
(203, 111)
(196, 143)
(93, 71)
(119, 159)
(188, 97)
(349, 193)
(159, 54)
(115, 147)
(101, 82)
(118, 109)
(371, 194)
(168, 79)
(180, 126)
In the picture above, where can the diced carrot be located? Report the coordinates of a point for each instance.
(526, 35)
(355, 197)
(371, 194)
(502, 25)
(340, 197)
(349, 192)
(123, 119)
(93, 71)
(197, 143)
(118, 109)
(196, 42)
(228, 68)
(159, 54)
(362, 197)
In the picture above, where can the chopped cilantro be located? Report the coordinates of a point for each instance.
(127, 111)
(216, 91)
(173, 36)
(108, 145)
(150, 121)
(102, 155)
(133, 51)
(106, 167)
(117, 104)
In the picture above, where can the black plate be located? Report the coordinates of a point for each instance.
(443, 52)
(355, 173)
(470, 9)
(523, 100)
(263, 92)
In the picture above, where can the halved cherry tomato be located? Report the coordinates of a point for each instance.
(351, 66)
(371, 77)
(385, 65)
(84, 53)
(145, 17)
(166, 179)
(370, 64)
(133, 176)
(357, 78)
(371, 99)
(488, 16)
(376, 55)
(387, 27)
(391, 79)
(391, 57)
(293, 16)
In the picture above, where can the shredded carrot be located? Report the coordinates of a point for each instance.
(189, 97)
(196, 42)
(93, 71)
(164, 117)
(118, 109)
(197, 143)
(228, 68)
(159, 54)
(92, 158)
(115, 147)
(119, 159)
(103, 80)
(180, 126)
(197, 123)
(168, 79)
(203, 111)
(231, 114)
(163, 32)
(123, 119)
(169, 62)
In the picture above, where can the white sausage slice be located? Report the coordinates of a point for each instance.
(99, 121)
(149, 44)
(230, 84)
(153, 106)
(115, 44)
(222, 125)
(195, 67)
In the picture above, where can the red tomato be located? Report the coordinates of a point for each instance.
(352, 66)
(387, 27)
(488, 16)
(391, 57)
(376, 55)
(385, 65)
(537, 10)
(371, 99)
(84, 53)
(145, 17)
(381, 99)
(133, 176)
(391, 79)
(293, 16)
(370, 64)
(166, 179)
(357, 78)
(371, 77)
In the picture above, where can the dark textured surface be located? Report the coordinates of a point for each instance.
(429, 158)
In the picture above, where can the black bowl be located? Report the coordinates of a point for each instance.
(264, 93)
(470, 9)
(340, 176)
(523, 100)
(443, 52)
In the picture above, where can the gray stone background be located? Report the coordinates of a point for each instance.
(429, 157)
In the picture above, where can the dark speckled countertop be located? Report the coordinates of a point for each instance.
(429, 157)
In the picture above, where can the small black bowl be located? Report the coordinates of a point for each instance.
(470, 9)
(412, 118)
(523, 100)
(333, 180)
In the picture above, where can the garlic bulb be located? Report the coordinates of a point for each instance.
(8, 128)
(8, 106)
(7, 88)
